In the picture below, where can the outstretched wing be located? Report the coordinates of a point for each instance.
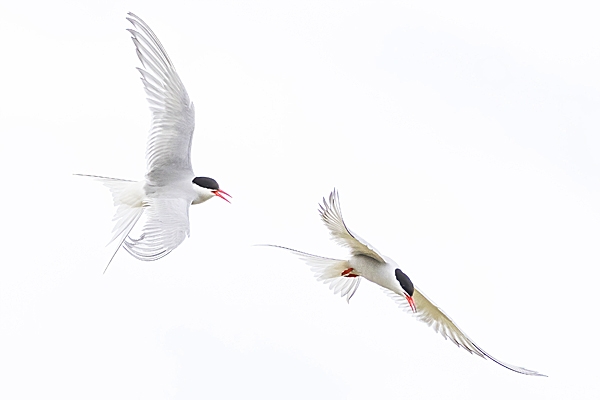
(331, 214)
(328, 271)
(170, 140)
(166, 226)
(434, 317)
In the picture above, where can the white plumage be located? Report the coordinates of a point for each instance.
(163, 199)
(366, 262)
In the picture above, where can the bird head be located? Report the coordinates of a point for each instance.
(408, 288)
(207, 188)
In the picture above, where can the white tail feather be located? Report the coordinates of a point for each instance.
(328, 271)
(128, 197)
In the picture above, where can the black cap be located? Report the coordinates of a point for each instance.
(405, 282)
(207, 183)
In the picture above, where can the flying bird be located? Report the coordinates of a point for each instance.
(344, 276)
(170, 185)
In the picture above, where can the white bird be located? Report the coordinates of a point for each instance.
(344, 276)
(170, 186)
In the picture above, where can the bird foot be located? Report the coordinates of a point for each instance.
(348, 273)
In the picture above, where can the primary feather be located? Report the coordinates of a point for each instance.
(437, 319)
(168, 150)
(166, 226)
(331, 215)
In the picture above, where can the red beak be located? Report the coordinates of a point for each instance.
(220, 193)
(411, 302)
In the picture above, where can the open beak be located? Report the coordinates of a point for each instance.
(220, 193)
(411, 302)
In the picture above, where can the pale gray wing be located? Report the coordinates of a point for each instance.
(166, 225)
(434, 317)
(170, 140)
(331, 214)
(328, 271)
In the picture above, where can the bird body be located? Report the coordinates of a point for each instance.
(380, 273)
(344, 277)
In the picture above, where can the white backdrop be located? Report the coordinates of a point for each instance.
(463, 140)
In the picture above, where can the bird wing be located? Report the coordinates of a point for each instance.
(165, 227)
(170, 139)
(328, 271)
(436, 318)
(331, 214)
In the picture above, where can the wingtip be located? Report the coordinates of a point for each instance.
(333, 197)
(529, 372)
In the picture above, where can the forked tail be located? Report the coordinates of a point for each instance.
(128, 197)
(329, 271)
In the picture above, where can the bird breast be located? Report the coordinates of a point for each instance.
(375, 271)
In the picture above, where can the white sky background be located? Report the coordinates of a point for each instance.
(463, 140)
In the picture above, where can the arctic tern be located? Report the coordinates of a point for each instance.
(344, 276)
(170, 186)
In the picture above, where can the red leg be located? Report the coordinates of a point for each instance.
(347, 273)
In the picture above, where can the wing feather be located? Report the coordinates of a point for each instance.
(437, 319)
(166, 226)
(331, 214)
(170, 140)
